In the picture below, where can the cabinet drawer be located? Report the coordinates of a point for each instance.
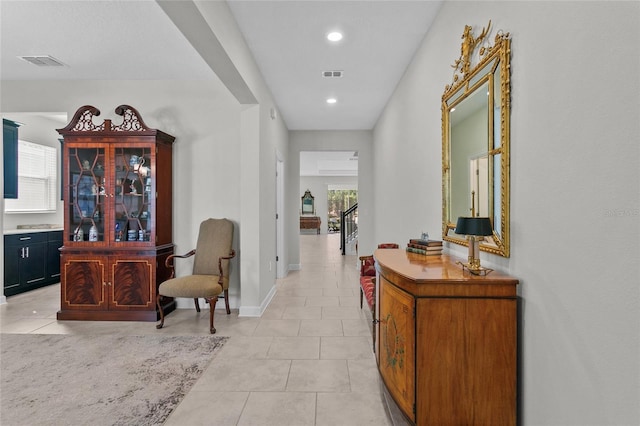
(25, 239)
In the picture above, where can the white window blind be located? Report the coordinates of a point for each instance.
(37, 171)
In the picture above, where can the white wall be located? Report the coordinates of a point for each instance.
(262, 138)
(319, 140)
(575, 192)
(204, 118)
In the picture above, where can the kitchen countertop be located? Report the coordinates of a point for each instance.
(27, 229)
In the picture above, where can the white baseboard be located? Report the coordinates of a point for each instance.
(257, 311)
(234, 303)
(295, 267)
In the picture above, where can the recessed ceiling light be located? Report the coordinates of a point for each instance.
(334, 36)
(332, 100)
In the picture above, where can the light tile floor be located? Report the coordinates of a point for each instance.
(307, 361)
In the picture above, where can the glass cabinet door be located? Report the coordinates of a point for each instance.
(133, 183)
(87, 197)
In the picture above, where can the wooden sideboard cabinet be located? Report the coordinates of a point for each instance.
(310, 222)
(117, 217)
(447, 340)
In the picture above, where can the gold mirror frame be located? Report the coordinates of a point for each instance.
(491, 73)
(308, 204)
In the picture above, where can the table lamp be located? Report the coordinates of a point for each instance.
(475, 228)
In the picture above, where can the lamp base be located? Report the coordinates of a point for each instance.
(475, 270)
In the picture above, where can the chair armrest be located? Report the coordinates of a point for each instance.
(169, 261)
(231, 255)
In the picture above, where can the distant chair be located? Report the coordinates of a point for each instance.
(368, 284)
(210, 275)
(368, 277)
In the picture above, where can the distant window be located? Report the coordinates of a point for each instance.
(37, 171)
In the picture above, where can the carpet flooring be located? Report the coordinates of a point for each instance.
(98, 380)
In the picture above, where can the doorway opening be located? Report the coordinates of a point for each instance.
(325, 171)
(339, 200)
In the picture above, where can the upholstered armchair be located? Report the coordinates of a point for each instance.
(210, 276)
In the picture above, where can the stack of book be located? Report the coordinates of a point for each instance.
(425, 247)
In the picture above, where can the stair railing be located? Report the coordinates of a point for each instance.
(348, 227)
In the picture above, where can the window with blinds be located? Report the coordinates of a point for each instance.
(37, 171)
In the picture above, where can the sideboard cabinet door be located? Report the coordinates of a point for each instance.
(397, 345)
(84, 283)
(467, 350)
(132, 284)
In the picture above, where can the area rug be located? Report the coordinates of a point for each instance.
(98, 380)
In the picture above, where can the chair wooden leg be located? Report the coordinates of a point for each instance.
(195, 301)
(159, 326)
(212, 308)
(226, 301)
(361, 297)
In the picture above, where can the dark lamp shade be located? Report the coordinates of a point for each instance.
(474, 226)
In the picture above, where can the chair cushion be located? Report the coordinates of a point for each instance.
(191, 286)
(368, 285)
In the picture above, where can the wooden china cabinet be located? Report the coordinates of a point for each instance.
(117, 182)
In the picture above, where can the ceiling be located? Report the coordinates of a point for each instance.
(96, 40)
(328, 163)
(288, 40)
(102, 40)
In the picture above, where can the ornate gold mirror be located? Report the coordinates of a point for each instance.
(308, 205)
(475, 139)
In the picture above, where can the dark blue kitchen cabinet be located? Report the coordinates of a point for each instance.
(10, 153)
(31, 260)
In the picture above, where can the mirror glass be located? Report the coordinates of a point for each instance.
(475, 143)
(307, 203)
(469, 143)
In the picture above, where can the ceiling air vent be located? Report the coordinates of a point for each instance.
(332, 74)
(42, 61)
